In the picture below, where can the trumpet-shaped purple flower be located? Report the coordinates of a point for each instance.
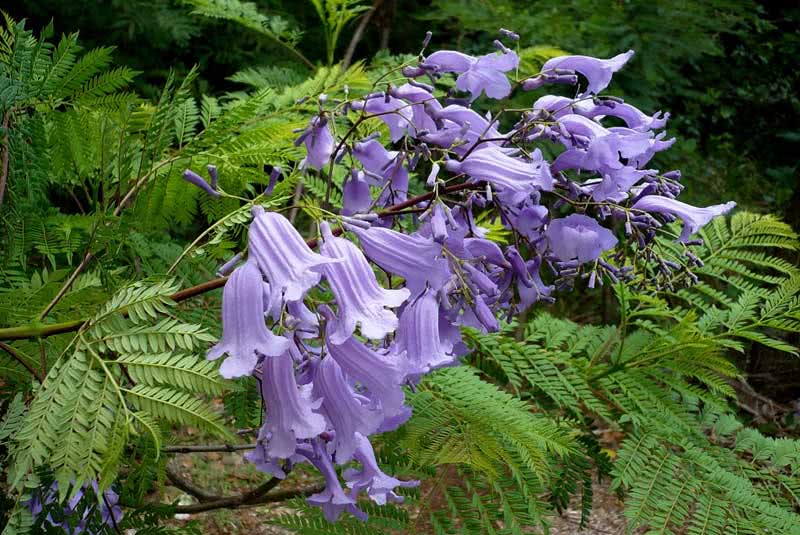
(381, 373)
(348, 412)
(418, 335)
(476, 75)
(632, 115)
(395, 113)
(388, 165)
(416, 258)
(598, 72)
(319, 143)
(422, 103)
(515, 178)
(356, 197)
(359, 297)
(245, 336)
(693, 217)
(283, 256)
(290, 408)
(333, 501)
(578, 237)
(617, 182)
(379, 486)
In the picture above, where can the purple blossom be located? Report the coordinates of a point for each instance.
(319, 143)
(416, 258)
(598, 72)
(379, 486)
(396, 113)
(578, 237)
(356, 196)
(694, 218)
(515, 178)
(290, 266)
(245, 336)
(418, 335)
(387, 165)
(380, 372)
(482, 74)
(359, 298)
(333, 501)
(422, 103)
(290, 408)
(347, 411)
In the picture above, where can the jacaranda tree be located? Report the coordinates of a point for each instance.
(388, 250)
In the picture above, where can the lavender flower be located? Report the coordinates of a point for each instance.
(414, 257)
(359, 297)
(333, 501)
(418, 335)
(394, 112)
(348, 412)
(381, 373)
(282, 255)
(355, 194)
(290, 408)
(476, 75)
(379, 486)
(319, 143)
(245, 336)
(578, 237)
(598, 72)
(693, 217)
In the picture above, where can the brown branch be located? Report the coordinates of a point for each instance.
(6, 148)
(190, 488)
(359, 33)
(32, 331)
(206, 449)
(242, 500)
(14, 355)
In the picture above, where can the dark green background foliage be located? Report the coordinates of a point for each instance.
(112, 100)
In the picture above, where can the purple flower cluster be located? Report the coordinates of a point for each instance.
(332, 371)
(76, 515)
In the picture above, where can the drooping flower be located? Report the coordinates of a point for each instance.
(476, 75)
(693, 217)
(291, 267)
(245, 336)
(319, 143)
(422, 103)
(360, 299)
(381, 373)
(291, 410)
(332, 500)
(578, 237)
(617, 182)
(598, 72)
(396, 113)
(632, 115)
(379, 486)
(387, 165)
(418, 335)
(356, 197)
(416, 258)
(348, 412)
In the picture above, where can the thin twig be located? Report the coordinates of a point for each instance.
(359, 33)
(4, 173)
(14, 355)
(67, 285)
(206, 449)
(32, 331)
